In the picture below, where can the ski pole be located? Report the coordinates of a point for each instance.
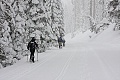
(37, 56)
(27, 57)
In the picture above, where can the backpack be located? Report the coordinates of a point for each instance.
(60, 39)
(32, 45)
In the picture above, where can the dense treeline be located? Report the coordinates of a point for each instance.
(22, 19)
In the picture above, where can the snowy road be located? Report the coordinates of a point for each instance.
(77, 61)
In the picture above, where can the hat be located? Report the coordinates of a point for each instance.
(33, 39)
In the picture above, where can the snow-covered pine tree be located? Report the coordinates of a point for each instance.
(20, 19)
(114, 13)
(57, 20)
(7, 23)
(41, 14)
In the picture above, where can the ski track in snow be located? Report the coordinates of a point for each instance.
(85, 74)
(20, 66)
(102, 64)
(65, 67)
(77, 61)
(107, 69)
(19, 72)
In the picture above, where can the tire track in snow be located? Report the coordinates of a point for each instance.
(26, 70)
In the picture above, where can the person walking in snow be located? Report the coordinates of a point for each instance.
(63, 40)
(32, 45)
(60, 42)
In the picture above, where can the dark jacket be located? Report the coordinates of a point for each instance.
(60, 39)
(32, 44)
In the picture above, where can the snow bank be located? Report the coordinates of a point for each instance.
(105, 36)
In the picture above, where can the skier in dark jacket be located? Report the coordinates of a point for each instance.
(60, 42)
(31, 46)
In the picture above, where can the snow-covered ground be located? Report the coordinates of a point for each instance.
(83, 58)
